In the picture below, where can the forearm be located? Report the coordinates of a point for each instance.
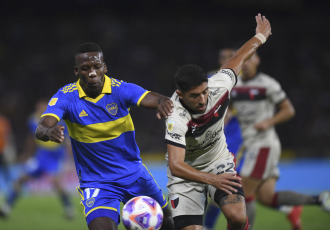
(282, 116)
(152, 100)
(187, 172)
(243, 54)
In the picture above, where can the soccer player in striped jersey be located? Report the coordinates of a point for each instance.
(261, 104)
(107, 158)
(199, 163)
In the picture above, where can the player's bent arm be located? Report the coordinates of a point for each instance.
(158, 101)
(285, 112)
(251, 46)
(47, 130)
(181, 169)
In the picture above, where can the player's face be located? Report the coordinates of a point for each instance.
(90, 69)
(195, 98)
(250, 67)
(224, 55)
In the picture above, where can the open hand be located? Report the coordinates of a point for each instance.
(263, 26)
(226, 182)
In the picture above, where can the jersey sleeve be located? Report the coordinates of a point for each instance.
(275, 92)
(57, 106)
(132, 94)
(225, 77)
(176, 127)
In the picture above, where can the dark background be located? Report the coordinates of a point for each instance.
(144, 42)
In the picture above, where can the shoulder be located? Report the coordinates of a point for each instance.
(179, 113)
(68, 89)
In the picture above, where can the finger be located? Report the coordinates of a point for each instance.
(158, 116)
(226, 191)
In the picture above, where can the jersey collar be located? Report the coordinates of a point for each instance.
(106, 87)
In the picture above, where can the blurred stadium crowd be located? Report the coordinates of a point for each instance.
(145, 42)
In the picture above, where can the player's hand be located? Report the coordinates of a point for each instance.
(226, 182)
(263, 125)
(164, 108)
(263, 26)
(56, 133)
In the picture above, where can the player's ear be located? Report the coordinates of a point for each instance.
(75, 70)
(105, 68)
(179, 92)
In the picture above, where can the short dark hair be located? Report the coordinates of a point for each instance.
(188, 76)
(88, 47)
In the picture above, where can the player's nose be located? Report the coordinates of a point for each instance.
(92, 73)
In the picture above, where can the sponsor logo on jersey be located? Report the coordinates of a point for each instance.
(112, 108)
(52, 101)
(174, 135)
(174, 201)
(215, 92)
(90, 202)
(83, 114)
(170, 125)
(183, 114)
(229, 73)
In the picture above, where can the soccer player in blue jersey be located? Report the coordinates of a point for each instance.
(40, 158)
(107, 158)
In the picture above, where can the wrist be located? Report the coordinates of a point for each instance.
(261, 37)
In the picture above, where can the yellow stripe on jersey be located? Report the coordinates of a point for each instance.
(141, 98)
(101, 207)
(100, 131)
(51, 114)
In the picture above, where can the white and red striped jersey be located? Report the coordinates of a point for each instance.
(202, 134)
(255, 100)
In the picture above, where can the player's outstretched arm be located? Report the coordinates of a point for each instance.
(263, 31)
(47, 130)
(158, 101)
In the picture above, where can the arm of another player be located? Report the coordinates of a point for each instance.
(180, 169)
(48, 130)
(158, 101)
(285, 112)
(250, 47)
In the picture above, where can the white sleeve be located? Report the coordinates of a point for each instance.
(226, 77)
(275, 92)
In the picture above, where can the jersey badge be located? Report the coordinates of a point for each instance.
(52, 101)
(112, 108)
(170, 125)
(83, 114)
(174, 201)
(90, 202)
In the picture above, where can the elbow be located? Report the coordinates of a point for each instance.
(174, 170)
(292, 112)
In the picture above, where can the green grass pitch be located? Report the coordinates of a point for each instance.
(39, 213)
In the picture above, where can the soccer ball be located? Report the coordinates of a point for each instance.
(142, 213)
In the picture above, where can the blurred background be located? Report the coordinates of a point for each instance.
(144, 42)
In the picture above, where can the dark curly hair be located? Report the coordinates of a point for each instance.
(188, 76)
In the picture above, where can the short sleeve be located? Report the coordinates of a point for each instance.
(275, 92)
(226, 77)
(131, 94)
(57, 106)
(175, 133)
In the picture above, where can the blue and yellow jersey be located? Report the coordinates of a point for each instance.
(101, 131)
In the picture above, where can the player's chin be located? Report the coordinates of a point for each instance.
(201, 109)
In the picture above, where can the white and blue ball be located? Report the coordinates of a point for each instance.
(142, 213)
